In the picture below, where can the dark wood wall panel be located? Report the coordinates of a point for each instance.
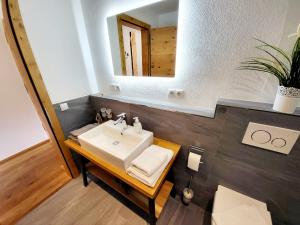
(80, 113)
(267, 176)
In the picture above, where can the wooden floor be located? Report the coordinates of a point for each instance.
(92, 205)
(27, 179)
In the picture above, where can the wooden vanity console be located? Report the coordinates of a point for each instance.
(151, 200)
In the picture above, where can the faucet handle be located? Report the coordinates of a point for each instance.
(123, 115)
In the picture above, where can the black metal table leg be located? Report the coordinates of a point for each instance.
(171, 178)
(152, 219)
(83, 171)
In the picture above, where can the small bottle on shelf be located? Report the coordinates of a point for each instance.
(137, 125)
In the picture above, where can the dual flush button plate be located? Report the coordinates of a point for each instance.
(271, 138)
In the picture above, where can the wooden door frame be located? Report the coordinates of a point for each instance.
(131, 20)
(16, 37)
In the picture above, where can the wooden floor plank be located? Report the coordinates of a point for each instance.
(91, 205)
(28, 179)
(134, 196)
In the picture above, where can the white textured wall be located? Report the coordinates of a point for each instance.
(53, 36)
(20, 126)
(213, 37)
(291, 23)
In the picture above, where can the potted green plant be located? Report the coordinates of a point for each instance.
(286, 68)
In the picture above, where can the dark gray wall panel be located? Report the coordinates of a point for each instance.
(267, 176)
(80, 113)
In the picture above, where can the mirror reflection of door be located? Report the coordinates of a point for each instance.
(143, 40)
(163, 51)
(135, 54)
(132, 51)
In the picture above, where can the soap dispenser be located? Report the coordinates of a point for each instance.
(137, 125)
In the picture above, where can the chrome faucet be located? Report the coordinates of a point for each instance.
(122, 120)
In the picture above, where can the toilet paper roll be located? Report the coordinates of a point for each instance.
(194, 161)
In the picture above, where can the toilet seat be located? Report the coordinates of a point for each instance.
(230, 206)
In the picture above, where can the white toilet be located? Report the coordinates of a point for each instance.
(233, 208)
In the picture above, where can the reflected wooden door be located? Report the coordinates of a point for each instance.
(134, 55)
(134, 41)
(163, 51)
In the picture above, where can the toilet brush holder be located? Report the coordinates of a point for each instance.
(187, 194)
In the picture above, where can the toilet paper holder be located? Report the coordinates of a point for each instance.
(197, 150)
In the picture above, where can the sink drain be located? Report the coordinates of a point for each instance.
(116, 142)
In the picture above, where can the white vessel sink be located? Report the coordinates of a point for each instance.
(107, 142)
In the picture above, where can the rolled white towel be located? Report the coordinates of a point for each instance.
(82, 130)
(150, 160)
(150, 181)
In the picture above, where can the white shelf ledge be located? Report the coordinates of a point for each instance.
(162, 105)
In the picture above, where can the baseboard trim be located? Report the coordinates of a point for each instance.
(24, 151)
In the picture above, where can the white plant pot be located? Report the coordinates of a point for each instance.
(287, 99)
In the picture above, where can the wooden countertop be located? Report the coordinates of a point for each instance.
(121, 174)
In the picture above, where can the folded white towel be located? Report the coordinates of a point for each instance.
(242, 214)
(150, 160)
(83, 129)
(150, 181)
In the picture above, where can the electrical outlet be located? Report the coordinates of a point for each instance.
(175, 92)
(172, 91)
(64, 106)
(180, 92)
(115, 87)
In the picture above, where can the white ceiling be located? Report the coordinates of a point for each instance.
(159, 7)
(151, 13)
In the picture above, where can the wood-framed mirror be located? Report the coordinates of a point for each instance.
(143, 40)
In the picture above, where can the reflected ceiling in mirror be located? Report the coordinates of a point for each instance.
(143, 40)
